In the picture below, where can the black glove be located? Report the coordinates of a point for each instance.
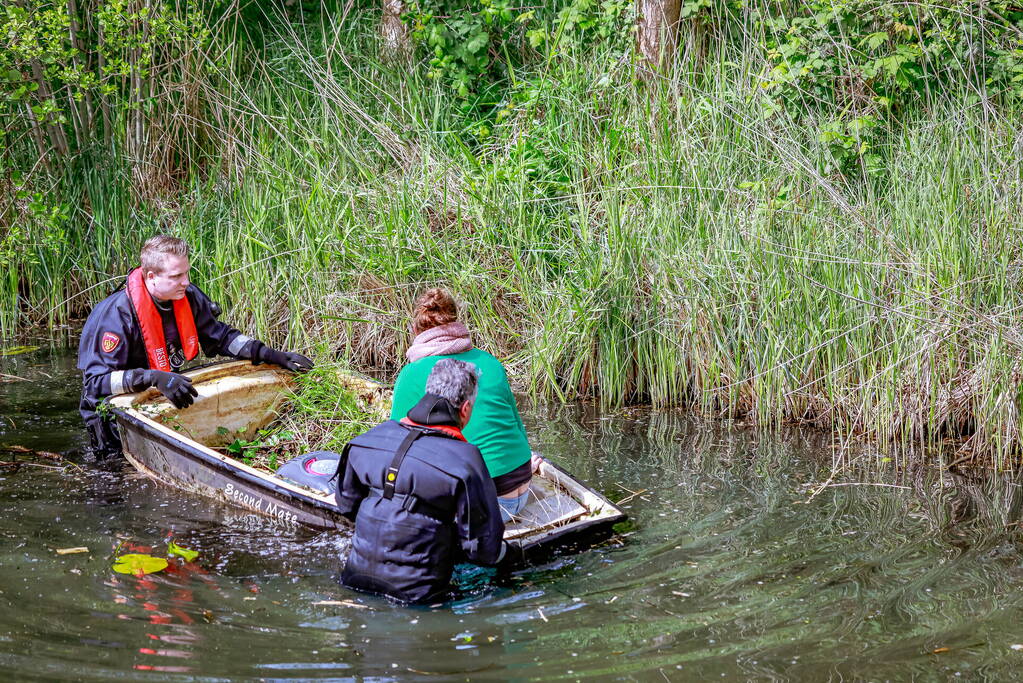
(177, 388)
(289, 360)
(512, 558)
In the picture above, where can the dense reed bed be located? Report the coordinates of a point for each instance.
(660, 242)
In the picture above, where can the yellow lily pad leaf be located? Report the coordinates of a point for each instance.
(184, 553)
(138, 564)
(16, 350)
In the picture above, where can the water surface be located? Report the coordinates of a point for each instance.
(732, 569)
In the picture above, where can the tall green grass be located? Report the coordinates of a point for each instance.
(658, 243)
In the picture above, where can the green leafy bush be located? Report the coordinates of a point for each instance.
(859, 65)
(863, 55)
(64, 76)
(472, 46)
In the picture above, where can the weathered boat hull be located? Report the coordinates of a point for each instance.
(176, 462)
(173, 447)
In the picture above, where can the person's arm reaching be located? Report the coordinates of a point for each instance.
(177, 388)
(103, 356)
(289, 360)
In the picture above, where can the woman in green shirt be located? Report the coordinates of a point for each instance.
(496, 427)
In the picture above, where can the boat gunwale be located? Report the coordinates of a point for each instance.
(198, 451)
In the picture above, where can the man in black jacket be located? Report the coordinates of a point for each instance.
(141, 336)
(420, 495)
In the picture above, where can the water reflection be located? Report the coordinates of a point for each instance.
(746, 559)
(740, 568)
(166, 600)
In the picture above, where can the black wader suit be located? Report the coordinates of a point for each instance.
(443, 509)
(112, 351)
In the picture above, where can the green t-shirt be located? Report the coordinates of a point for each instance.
(495, 426)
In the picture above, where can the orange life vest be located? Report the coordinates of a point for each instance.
(152, 324)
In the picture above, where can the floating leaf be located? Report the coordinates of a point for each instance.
(138, 564)
(17, 350)
(184, 553)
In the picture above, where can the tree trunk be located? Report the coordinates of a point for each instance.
(394, 31)
(37, 135)
(104, 101)
(657, 34)
(83, 108)
(58, 139)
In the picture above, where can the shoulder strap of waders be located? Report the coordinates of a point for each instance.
(391, 477)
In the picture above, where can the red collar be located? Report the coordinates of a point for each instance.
(451, 431)
(152, 324)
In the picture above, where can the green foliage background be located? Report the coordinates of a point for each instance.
(810, 217)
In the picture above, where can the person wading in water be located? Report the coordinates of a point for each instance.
(496, 426)
(420, 495)
(141, 336)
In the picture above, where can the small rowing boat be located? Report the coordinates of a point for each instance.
(236, 399)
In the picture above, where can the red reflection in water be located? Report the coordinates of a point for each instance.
(165, 597)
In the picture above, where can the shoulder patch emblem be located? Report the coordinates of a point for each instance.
(109, 342)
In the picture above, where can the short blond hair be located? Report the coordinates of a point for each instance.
(157, 248)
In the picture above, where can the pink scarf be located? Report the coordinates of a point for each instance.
(443, 340)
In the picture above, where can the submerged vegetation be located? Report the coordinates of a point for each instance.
(808, 215)
(320, 413)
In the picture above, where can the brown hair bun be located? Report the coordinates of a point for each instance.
(434, 307)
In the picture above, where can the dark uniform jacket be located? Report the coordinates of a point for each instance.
(112, 344)
(444, 511)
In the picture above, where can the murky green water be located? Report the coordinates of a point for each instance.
(729, 573)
